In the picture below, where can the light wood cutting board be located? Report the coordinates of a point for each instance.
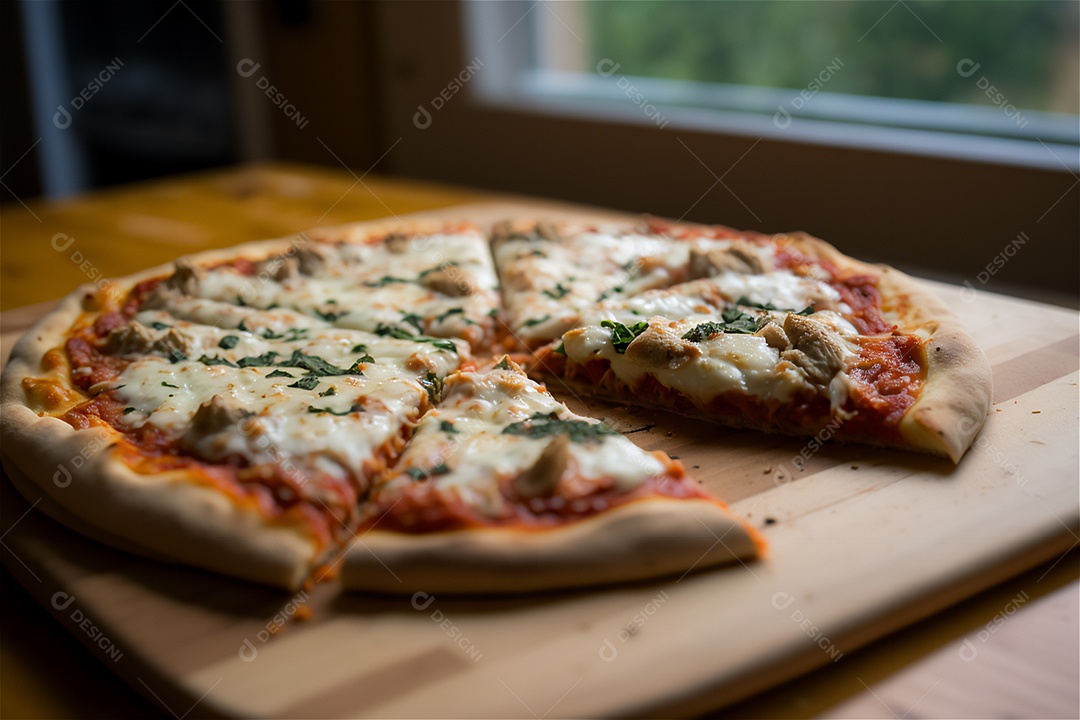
(863, 541)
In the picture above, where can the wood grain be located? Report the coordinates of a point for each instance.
(863, 542)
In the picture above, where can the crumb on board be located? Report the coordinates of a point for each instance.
(767, 470)
(695, 467)
(1036, 412)
(854, 467)
(770, 521)
(302, 613)
(669, 433)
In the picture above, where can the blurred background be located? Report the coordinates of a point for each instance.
(932, 134)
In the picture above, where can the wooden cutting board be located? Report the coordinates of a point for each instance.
(863, 541)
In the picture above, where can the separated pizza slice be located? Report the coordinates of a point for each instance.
(504, 489)
(242, 448)
(807, 341)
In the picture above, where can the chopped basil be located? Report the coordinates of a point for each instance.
(747, 302)
(328, 392)
(734, 321)
(280, 373)
(398, 333)
(215, 360)
(448, 427)
(415, 320)
(541, 425)
(159, 325)
(176, 356)
(315, 365)
(622, 336)
(308, 382)
(561, 350)
(448, 313)
(433, 385)
(558, 292)
(128, 410)
(264, 360)
(493, 312)
(423, 474)
(228, 342)
(290, 335)
(440, 266)
(165, 384)
(359, 348)
(328, 316)
(503, 364)
(356, 407)
(241, 326)
(535, 321)
(386, 280)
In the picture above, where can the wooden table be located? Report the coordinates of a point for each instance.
(1027, 666)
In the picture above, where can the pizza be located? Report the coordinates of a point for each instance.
(370, 398)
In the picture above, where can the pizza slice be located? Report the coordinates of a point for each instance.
(801, 340)
(419, 281)
(551, 272)
(241, 448)
(504, 489)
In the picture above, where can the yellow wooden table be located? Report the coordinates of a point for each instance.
(48, 248)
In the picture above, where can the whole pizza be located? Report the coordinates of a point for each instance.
(371, 398)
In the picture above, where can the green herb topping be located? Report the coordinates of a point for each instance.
(541, 425)
(622, 336)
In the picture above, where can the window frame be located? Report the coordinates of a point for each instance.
(939, 215)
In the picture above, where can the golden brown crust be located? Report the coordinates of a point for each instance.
(648, 538)
(81, 484)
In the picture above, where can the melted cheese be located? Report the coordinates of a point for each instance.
(479, 407)
(365, 286)
(281, 423)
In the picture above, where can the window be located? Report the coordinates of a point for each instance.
(978, 80)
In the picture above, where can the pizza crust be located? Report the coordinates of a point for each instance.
(81, 485)
(645, 539)
(956, 396)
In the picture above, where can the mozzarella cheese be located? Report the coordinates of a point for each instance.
(462, 450)
(363, 286)
(340, 419)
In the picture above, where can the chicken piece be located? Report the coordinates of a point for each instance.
(815, 349)
(309, 260)
(183, 282)
(658, 350)
(175, 344)
(731, 259)
(214, 424)
(397, 243)
(131, 339)
(543, 477)
(448, 280)
(774, 335)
